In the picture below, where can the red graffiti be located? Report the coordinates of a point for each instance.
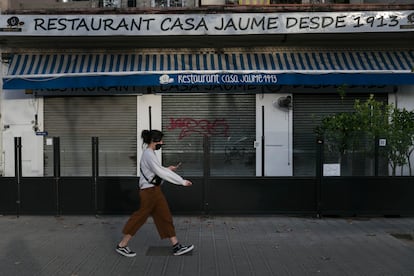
(189, 126)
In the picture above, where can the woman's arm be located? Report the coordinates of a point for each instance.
(165, 173)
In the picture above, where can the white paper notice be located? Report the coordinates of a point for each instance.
(331, 169)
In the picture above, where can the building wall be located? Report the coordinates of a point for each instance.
(278, 136)
(47, 4)
(18, 112)
(3, 5)
(18, 116)
(143, 103)
(387, 2)
(70, 4)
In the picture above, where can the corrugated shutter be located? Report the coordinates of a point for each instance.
(229, 121)
(308, 111)
(76, 119)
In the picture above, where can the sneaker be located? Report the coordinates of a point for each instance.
(182, 249)
(125, 251)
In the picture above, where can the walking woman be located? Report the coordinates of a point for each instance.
(152, 200)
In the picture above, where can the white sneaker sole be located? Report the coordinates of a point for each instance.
(189, 249)
(125, 254)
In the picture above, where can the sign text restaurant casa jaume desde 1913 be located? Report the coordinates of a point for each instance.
(206, 24)
(75, 70)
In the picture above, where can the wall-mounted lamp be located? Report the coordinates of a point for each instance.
(284, 102)
(6, 57)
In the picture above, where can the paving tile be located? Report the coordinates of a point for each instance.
(224, 245)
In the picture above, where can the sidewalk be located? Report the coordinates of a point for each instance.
(266, 245)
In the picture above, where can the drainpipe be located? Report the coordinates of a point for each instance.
(319, 176)
(206, 174)
(56, 171)
(263, 142)
(95, 170)
(18, 170)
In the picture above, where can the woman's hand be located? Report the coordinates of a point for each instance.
(188, 183)
(174, 168)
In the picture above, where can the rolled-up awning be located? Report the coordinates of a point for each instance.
(327, 67)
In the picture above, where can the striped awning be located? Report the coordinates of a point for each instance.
(74, 70)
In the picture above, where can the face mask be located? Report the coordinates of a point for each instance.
(158, 146)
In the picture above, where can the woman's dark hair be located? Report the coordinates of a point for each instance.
(149, 136)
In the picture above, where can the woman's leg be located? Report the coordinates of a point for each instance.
(139, 217)
(164, 222)
(125, 240)
(173, 240)
(162, 218)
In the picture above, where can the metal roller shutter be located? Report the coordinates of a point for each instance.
(309, 109)
(76, 119)
(229, 121)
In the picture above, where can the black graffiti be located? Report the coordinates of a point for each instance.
(236, 150)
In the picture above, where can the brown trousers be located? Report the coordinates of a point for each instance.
(153, 203)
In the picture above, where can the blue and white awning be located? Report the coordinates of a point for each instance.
(76, 70)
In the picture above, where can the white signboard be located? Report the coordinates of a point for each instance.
(206, 24)
(331, 169)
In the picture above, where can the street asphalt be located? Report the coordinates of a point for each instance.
(224, 245)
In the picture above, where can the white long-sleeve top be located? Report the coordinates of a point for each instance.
(151, 166)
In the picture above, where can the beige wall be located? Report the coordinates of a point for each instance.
(3, 4)
(45, 4)
(69, 4)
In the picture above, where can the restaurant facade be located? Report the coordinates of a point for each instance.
(238, 95)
